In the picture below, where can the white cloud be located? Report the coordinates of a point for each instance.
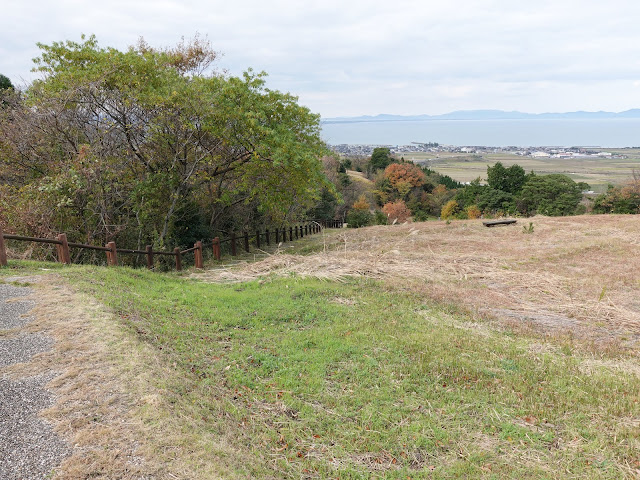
(368, 57)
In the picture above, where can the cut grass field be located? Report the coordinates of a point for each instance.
(383, 367)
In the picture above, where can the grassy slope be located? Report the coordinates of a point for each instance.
(291, 378)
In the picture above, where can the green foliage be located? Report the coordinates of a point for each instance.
(553, 195)
(359, 218)
(493, 200)
(148, 133)
(619, 199)
(528, 229)
(380, 218)
(470, 194)
(420, 216)
(325, 208)
(510, 180)
(435, 178)
(5, 83)
(380, 159)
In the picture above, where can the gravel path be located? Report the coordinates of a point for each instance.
(29, 449)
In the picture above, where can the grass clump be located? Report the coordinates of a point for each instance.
(303, 378)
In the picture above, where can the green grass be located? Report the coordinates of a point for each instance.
(311, 379)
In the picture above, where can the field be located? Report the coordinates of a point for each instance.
(424, 350)
(597, 172)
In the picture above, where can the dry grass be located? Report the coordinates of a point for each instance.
(573, 274)
(102, 387)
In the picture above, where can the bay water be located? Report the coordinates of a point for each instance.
(607, 133)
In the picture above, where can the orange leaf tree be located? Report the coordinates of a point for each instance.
(403, 175)
(397, 210)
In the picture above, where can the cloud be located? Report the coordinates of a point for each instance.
(369, 57)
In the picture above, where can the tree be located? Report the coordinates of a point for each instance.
(554, 195)
(450, 210)
(404, 176)
(397, 211)
(359, 215)
(126, 139)
(380, 158)
(620, 199)
(5, 83)
(508, 180)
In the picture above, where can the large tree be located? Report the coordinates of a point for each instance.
(5, 83)
(554, 195)
(510, 180)
(126, 141)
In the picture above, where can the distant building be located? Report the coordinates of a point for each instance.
(540, 155)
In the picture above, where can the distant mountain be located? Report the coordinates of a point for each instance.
(487, 115)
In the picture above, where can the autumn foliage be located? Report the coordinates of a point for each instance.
(450, 210)
(397, 211)
(361, 203)
(401, 174)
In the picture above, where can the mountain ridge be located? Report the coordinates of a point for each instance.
(488, 115)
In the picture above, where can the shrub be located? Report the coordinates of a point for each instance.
(473, 212)
(380, 218)
(361, 204)
(420, 216)
(359, 218)
(397, 211)
(450, 210)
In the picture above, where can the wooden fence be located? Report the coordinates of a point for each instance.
(278, 235)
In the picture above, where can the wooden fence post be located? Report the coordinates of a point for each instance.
(277, 236)
(178, 258)
(233, 245)
(149, 256)
(112, 254)
(3, 251)
(301, 231)
(246, 242)
(291, 234)
(295, 229)
(257, 238)
(197, 253)
(267, 237)
(63, 250)
(216, 248)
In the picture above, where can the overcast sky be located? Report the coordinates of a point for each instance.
(364, 57)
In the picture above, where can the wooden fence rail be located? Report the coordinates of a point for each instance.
(279, 235)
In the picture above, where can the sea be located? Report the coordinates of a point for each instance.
(606, 133)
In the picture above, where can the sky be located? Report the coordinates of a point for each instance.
(367, 57)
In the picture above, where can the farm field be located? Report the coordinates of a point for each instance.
(423, 350)
(597, 172)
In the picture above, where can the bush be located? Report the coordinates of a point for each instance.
(359, 218)
(380, 218)
(450, 210)
(420, 216)
(473, 212)
(397, 211)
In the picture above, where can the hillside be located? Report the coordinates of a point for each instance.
(415, 351)
(576, 275)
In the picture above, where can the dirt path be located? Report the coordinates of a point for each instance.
(65, 410)
(29, 448)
